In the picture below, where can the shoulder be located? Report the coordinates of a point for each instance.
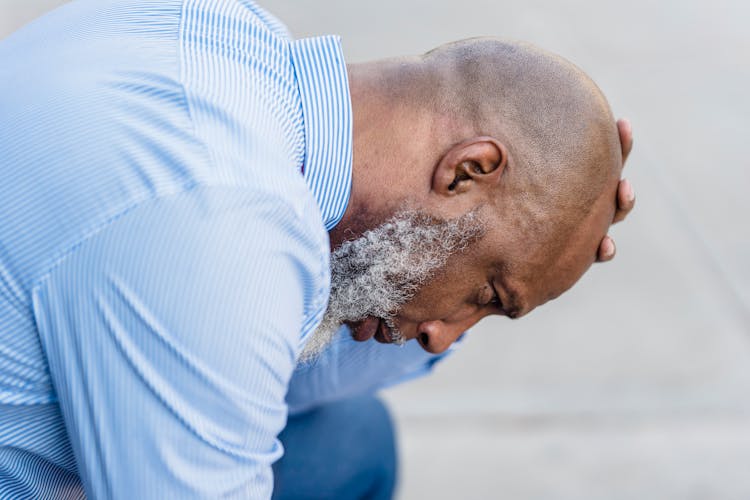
(225, 258)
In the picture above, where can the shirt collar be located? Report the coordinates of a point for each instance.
(327, 112)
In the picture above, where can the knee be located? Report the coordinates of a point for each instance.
(377, 428)
(344, 449)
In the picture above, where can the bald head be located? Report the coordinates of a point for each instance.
(562, 142)
(556, 122)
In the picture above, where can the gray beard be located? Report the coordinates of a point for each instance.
(377, 273)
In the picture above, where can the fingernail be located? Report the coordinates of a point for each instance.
(610, 248)
(629, 194)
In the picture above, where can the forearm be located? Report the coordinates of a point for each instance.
(348, 368)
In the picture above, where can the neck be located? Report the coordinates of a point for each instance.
(399, 137)
(377, 126)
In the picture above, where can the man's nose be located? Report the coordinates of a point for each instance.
(437, 336)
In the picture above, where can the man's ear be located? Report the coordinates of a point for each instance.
(475, 162)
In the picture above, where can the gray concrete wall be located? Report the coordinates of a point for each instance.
(636, 384)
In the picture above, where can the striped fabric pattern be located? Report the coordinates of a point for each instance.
(170, 170)
(333, 128)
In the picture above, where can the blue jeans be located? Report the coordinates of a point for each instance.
(342, 450)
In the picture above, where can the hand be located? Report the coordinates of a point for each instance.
(625, 193)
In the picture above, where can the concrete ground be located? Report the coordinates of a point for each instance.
(636, 384)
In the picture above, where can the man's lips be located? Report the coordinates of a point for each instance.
(371, 327)
(364, 329)
(383, 333)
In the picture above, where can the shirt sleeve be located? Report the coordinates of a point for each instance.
(171, 337)
(348, 368)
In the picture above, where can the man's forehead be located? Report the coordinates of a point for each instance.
(534, 270)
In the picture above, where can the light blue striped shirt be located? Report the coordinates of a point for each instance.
(170, 170)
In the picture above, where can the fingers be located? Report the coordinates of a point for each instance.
(625, 193)
(625, 200)
(625, 203)
(606, 249)
(626, 137)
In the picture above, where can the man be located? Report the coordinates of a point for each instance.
(175, 176)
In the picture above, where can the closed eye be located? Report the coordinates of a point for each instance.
(495, 301)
